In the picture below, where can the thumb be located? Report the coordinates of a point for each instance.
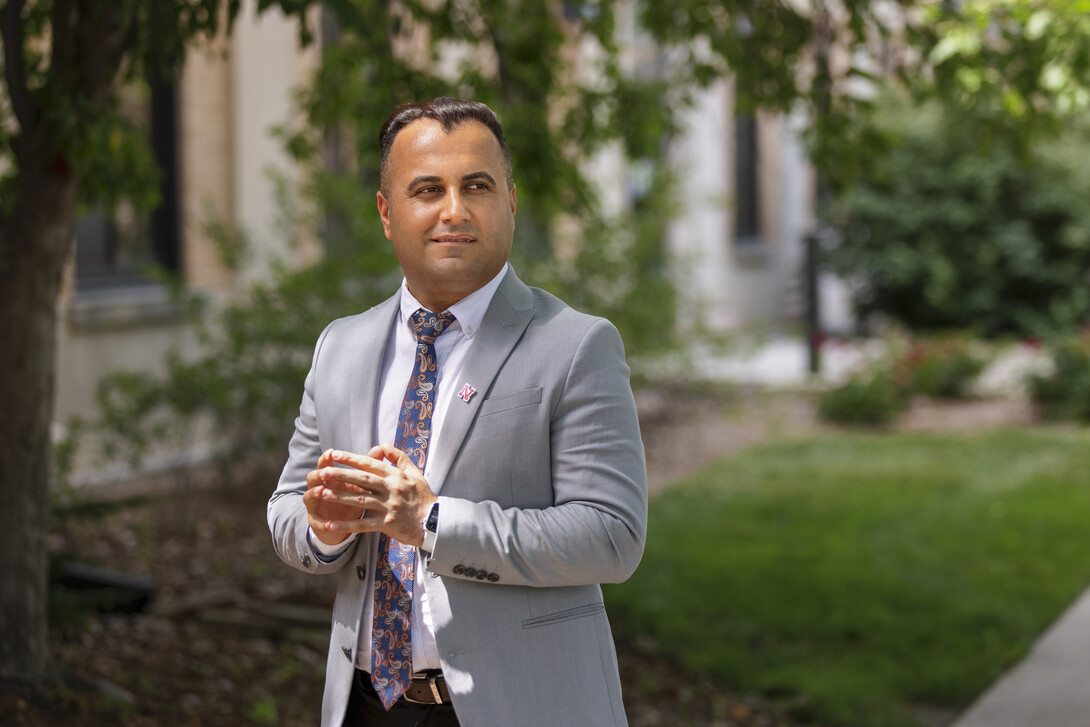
(400, 459)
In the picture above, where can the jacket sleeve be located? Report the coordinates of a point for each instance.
(595, 528)
(286, 513)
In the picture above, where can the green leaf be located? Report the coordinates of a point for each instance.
(1038, 24)
(957, 42)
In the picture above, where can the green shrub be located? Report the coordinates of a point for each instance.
(945, 232)
(873, 399)
(1064, 391)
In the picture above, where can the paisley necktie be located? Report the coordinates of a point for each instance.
(391, 644)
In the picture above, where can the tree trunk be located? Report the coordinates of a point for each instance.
(34, 243)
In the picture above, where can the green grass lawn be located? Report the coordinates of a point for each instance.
(862, 575)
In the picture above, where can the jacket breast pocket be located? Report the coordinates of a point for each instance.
(505, 454)
(568, 614)
(506, 402)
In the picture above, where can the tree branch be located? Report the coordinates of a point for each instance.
(97, 51)
(15, 74)
(61, 47)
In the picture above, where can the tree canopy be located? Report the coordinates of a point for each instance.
(965, 204)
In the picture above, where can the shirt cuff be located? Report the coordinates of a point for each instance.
(328, 553)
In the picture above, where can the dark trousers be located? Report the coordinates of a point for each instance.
(365, 709)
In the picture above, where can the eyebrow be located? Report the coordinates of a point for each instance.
(423, 179)
(480, 175)
(432, 179)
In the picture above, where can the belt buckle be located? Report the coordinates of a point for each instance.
(432, 681)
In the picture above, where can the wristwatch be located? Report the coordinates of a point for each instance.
(431, 526)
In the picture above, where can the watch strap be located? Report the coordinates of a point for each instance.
(431, 528)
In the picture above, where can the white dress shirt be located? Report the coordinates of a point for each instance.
(451, 349)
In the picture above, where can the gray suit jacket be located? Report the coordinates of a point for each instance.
(543, 496)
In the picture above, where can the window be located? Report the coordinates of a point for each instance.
(115, 249)
(747, 222)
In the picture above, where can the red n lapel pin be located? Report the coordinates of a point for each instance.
(466, 392)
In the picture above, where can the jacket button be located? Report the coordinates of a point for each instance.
(361, 572)
(470, 572)
(306, 560)
(459, 570)
(493, 578)
(481, 575)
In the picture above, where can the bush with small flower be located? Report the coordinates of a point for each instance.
(941, 366)
(1062, 390)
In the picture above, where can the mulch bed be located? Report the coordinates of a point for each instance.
(234, 637)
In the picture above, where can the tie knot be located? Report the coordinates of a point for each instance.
(429, 325)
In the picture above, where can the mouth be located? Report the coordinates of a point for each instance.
(454, 239)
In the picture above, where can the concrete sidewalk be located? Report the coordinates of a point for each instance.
(1050, 687)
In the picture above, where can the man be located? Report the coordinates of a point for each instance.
(472, 514)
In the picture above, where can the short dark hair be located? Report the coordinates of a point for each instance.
(450, 112)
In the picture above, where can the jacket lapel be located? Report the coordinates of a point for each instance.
(508, 314)
(369, 348)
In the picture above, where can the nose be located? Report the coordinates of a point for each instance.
(454, 210)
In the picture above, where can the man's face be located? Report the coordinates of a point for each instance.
(449, 214)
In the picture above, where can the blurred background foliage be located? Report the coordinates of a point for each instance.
(570, 95)
(943, 134)
(943, 231)
(959, 196)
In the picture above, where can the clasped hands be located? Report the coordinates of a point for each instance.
(383, 491)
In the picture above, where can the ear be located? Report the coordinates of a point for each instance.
(384, 214)
(514, 201)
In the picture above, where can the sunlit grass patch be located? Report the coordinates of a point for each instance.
(859, 575)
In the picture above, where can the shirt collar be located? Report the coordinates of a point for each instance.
(469, 311)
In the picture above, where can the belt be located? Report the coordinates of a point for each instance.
(427, 687)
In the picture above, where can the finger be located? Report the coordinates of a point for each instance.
(325, 459)
(313, 497)
(339, 478)
(361, 461)
(365, 501)
(398, 458)
(332, 457)
(317, 502)
(317, 480)
(324, 534)
(366, 524)
(320, 511)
